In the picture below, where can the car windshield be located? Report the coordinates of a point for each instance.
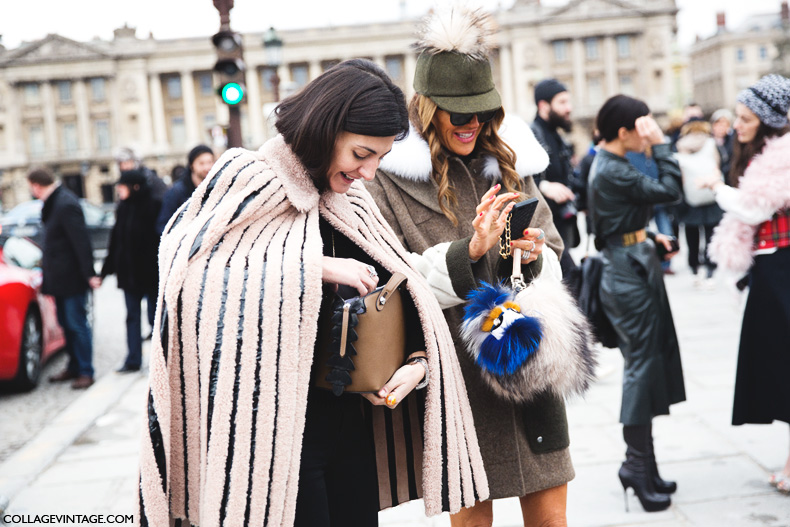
(24, 211)
(20, 252)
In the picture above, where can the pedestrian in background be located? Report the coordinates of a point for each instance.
(199, 162)
(721, 123)
(699, 159)
(754, 238)
(243, 273)
(465, 160)
(128, 159)
(68, 274)
(557, 182)
(132, 256)
(632, 286)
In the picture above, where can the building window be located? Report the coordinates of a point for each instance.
(627, 85)
(68, 138)
(36, 140)
(64, 92)
(591, 48)
(299, 74)
(763, 52)
(32, 95)
(560, 50)
(740, 54)
(326, 64)
(178, 131)
(173, 87)
(206, 83)
(98, 89)
(394, 67)
(267, 83)
(103, 143)
(623, 46)
(594, 91)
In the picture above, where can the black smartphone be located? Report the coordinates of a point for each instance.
(662, 252)
(520, 218)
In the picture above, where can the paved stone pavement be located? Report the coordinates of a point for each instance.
(85, 461)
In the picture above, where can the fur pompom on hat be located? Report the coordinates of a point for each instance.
(769, 99)
(453, 68)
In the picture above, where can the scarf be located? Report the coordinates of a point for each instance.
(237, 313)
(765, 184)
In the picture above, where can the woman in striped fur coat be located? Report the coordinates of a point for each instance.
(235, 433)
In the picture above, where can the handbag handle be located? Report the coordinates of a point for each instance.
(394, 282)
(517, 277)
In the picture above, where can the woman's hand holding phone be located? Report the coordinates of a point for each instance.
(489, 222)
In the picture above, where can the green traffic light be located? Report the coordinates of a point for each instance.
(232, 93)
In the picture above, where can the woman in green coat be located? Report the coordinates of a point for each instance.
(632, 285)
(460, 155)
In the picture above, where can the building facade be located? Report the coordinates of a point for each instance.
(733, 59)
(69, 105)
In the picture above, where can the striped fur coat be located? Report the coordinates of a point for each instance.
(237, 313)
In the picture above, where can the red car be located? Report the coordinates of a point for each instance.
(29, 329)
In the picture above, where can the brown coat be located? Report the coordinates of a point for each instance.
(524, 447)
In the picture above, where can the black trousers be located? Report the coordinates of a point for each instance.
(697, 258)
(338, 485)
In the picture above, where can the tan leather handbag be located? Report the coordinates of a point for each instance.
(364, 342)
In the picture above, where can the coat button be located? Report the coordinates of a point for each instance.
(540, 439)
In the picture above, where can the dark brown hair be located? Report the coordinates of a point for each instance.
(354, 96)
(742, 153)
(41, 176)
(619, 111)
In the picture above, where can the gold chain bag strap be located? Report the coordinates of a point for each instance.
(364, 342)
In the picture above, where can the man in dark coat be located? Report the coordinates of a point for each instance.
(68, 275)
(132, 256)
(557, 183)
(199, 162)
(128, 159)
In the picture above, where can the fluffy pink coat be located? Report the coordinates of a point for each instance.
(764, 184)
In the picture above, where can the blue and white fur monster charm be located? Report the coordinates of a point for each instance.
(529, 339)
(500, 337)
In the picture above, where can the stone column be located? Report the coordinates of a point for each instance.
(610, 66)
(255, 106)
(409, 65)
(579, 90)
(158, 113)
(14, 133)
(50, 121)
(81, 104)
(314, 70)
(191, 121)
(506, 74)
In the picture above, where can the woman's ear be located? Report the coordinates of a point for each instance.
(622, 133)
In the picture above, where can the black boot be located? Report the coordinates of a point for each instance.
(661, 485)
(637, 472)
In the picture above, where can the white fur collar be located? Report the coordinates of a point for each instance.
(411, 158)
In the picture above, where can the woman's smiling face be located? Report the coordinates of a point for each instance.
(459, 140)
(356, 157)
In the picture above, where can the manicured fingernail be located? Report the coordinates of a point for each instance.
(492, 196)
(526, 231)
(391, 399)
(496, 186)
(481, 213)
(511, 244)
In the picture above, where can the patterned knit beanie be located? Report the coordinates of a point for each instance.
(769, 99)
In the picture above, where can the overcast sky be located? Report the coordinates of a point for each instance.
(28, 20)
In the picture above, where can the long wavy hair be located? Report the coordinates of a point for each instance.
(421, 113)
(742, 153)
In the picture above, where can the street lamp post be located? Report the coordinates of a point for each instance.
(273, 48)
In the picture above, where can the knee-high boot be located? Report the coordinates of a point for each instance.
(637, 472)
(661, 485)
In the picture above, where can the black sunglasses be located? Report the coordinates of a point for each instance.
(460, 119)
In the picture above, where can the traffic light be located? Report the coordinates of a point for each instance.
(229, 66)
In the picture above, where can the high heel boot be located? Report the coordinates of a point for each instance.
(661, 485)
(637, 471)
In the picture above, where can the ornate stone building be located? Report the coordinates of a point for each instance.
(733, 59)
(69, 105)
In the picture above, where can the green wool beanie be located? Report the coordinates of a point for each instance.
(456, 82)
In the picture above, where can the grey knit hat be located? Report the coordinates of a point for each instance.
(769, 99)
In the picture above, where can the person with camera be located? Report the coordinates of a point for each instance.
(632, 285)
(557, 183)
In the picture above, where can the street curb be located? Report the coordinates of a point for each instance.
(25, 465)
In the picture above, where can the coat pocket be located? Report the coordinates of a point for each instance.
(546, 424)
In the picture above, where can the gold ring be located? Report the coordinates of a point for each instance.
(392, 400)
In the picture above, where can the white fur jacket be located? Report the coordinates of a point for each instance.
(411, 159)
(237, 314)
(763, 189)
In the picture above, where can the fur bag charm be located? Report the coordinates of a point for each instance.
(528, 339)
